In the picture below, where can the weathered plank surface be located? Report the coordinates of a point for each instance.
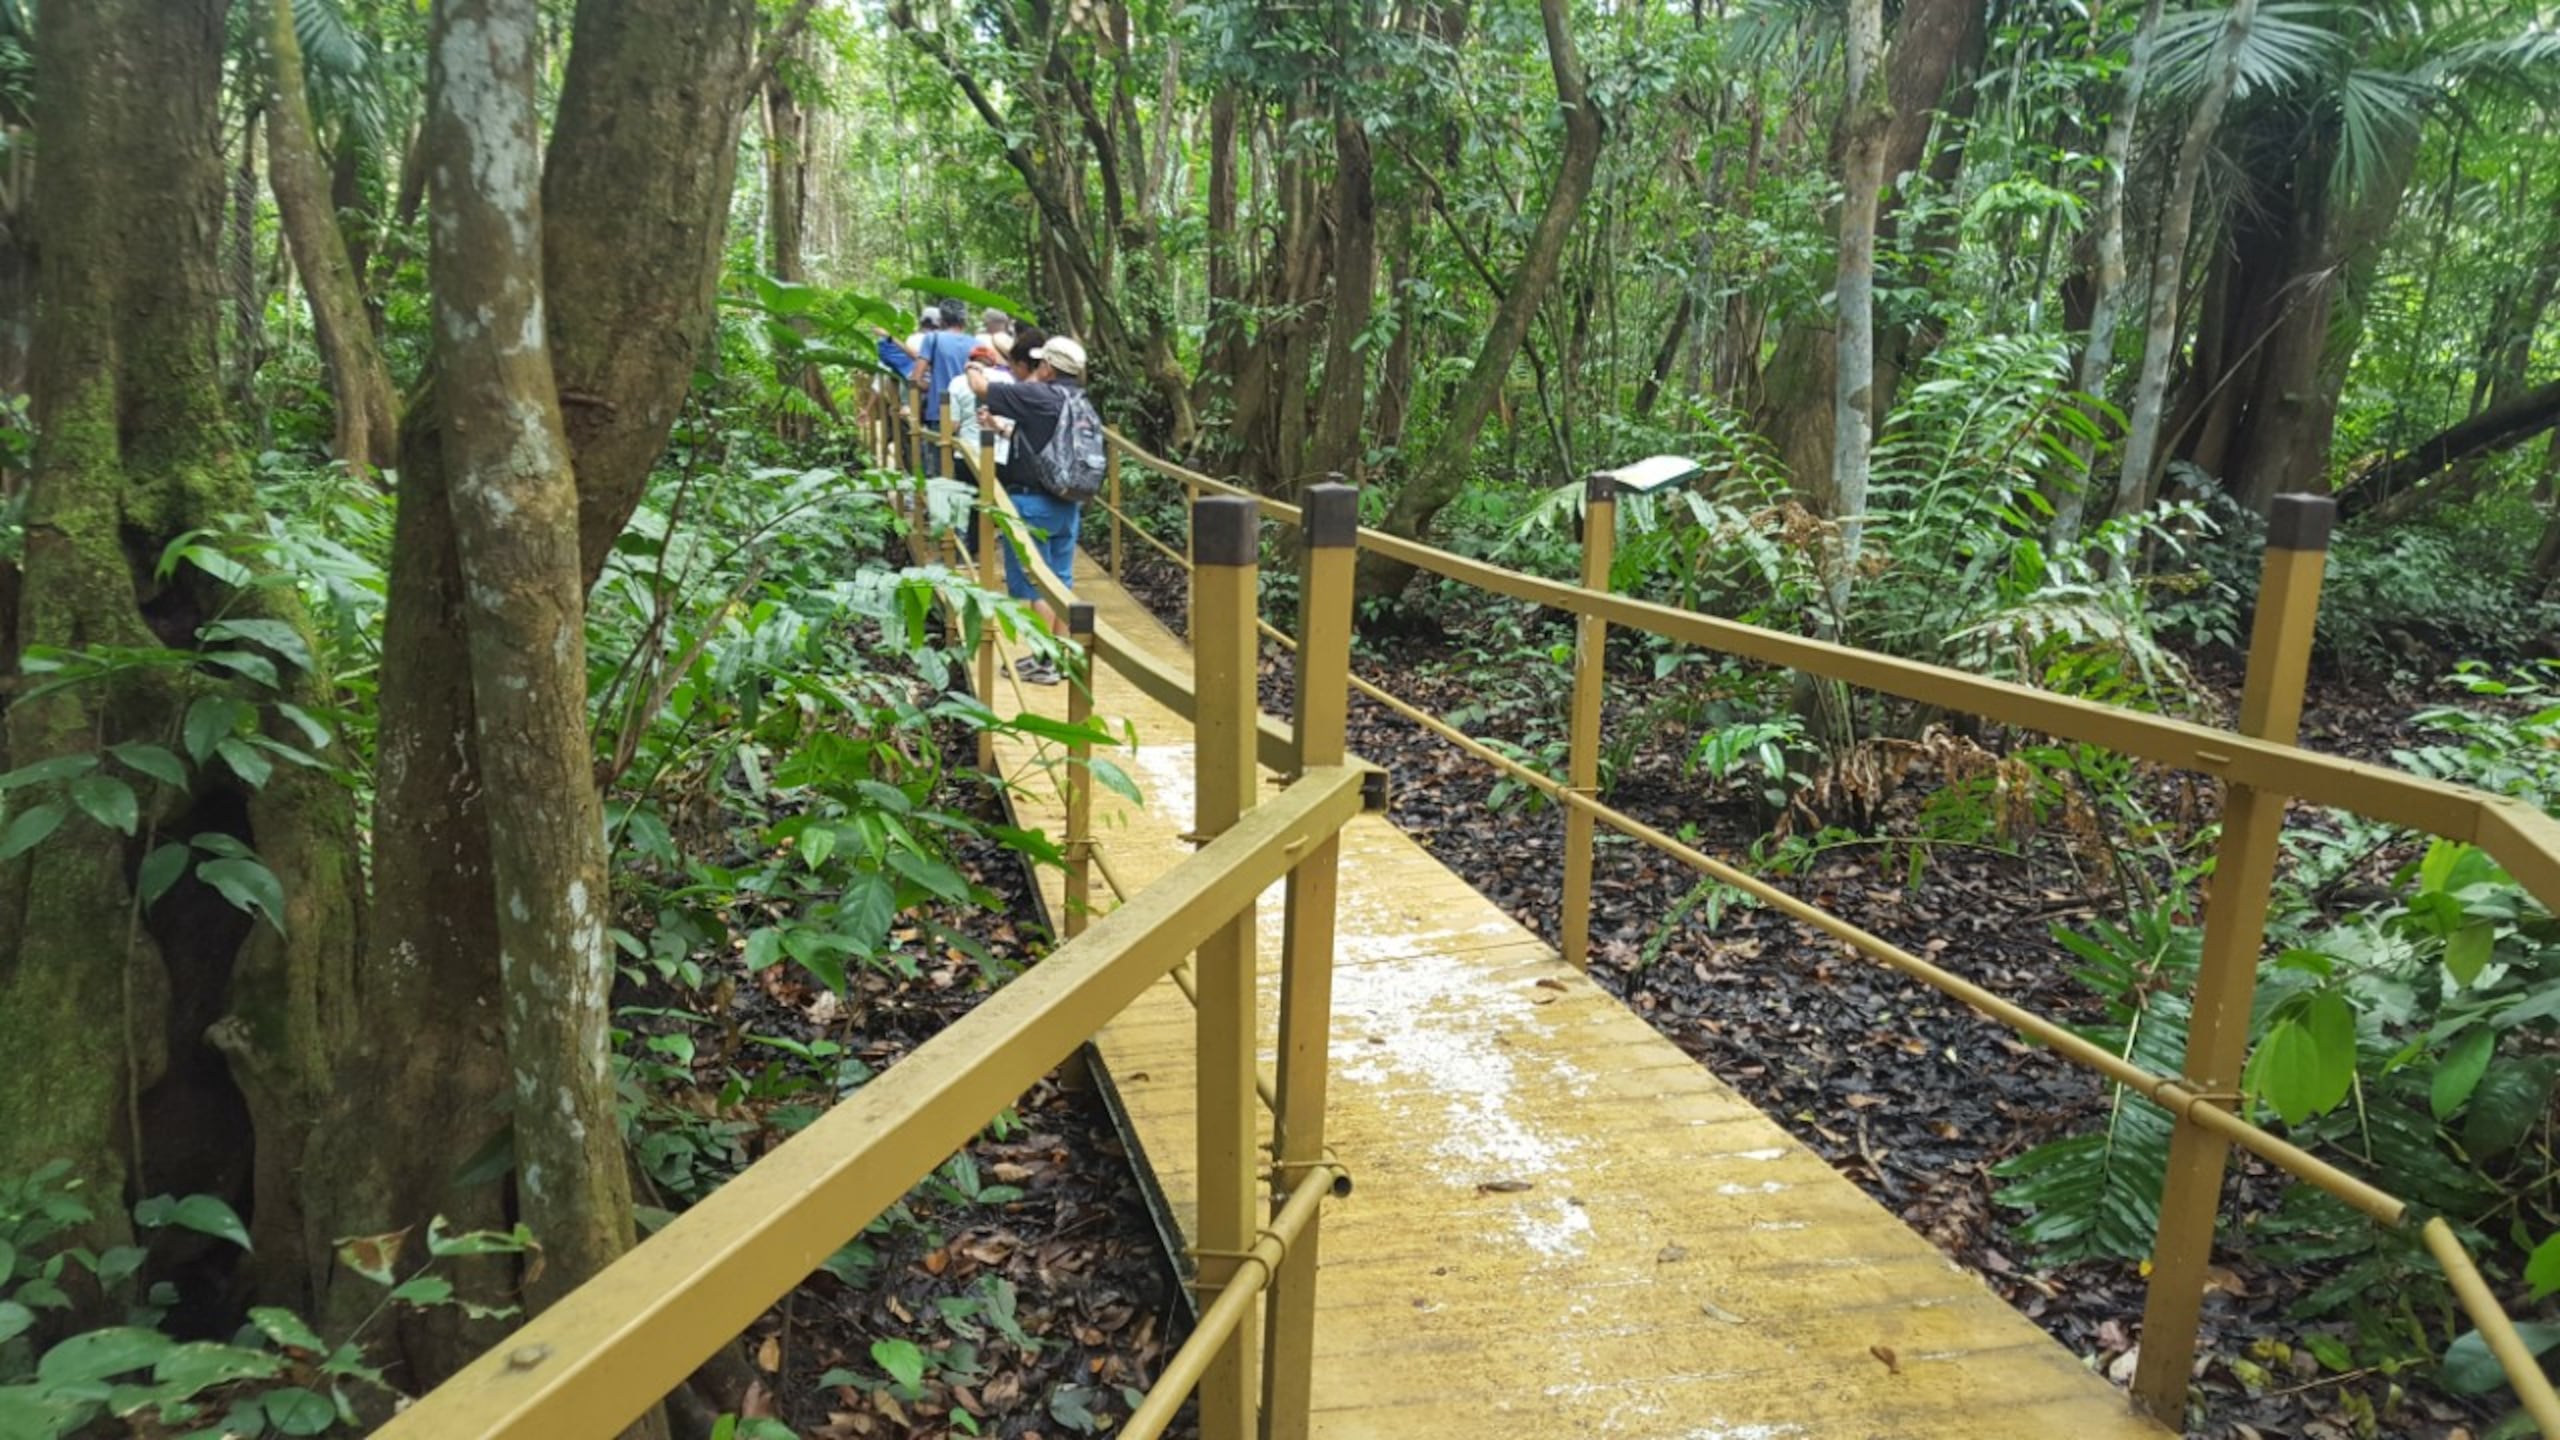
(1563, 1226)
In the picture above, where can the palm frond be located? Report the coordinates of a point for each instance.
(2291, 45)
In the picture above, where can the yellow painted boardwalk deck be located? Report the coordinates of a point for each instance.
(1676, 1266)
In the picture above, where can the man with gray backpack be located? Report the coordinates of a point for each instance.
(1051, 462)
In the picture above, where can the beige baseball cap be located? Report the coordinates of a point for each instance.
(1063, 354)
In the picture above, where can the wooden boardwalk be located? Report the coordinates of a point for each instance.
(1563, 1225)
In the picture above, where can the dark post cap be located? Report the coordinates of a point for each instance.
(1226, 530)
(1332, 516)
(1080, 618)
(2301, 522)
(1600, 485)
(1374, 791)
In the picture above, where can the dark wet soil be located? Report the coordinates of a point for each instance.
(1027, 1275)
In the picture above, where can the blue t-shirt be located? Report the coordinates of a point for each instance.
(948, 352)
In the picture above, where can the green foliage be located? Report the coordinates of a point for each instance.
(2097, 1195)
(275, 1377)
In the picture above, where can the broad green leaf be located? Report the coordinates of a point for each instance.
(108, 801)
(2543, 1270)
(98, 1354)
(967, 294)
(296, 1411)
(2467, 953)
(208, 721)
(1115, 780)
(901, 1359)
(276, 635)
(764, 948)
(313, 729)
(29, 828)
(204, 1214)
(2470, 1368)
(816, 844)
(247, 884)
(155, 761)
(287, 1329)
(2306, 1063)
(246, 662)
(423, 1290)
(162, 869)
(2459, 1073)
(15, 1320)
(194, 1366)
(60, 767)
(2508, 1104)
(245, 761)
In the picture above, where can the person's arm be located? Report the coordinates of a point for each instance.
(978, 380)
(895, 355)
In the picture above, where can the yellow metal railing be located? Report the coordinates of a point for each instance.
(603, 1356)
(2259, 765)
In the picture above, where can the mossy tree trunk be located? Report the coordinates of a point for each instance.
(179, 1047)
(635, 192)
(367, 417)
(514, 508)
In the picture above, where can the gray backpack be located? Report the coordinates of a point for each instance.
(1072, 464)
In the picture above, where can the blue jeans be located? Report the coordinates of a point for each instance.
(1054, 525)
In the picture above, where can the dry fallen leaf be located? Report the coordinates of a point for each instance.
(1671, 1254)
(1885, 1354)
(1714, 1311)
(1502, 1187)
(757, 1403)
(769, 1355)
(936, 1261)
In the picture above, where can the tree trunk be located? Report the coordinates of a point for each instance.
(367, 415)
(636, 187)
(786, 176)
(220, 1032)
(1443, 471)
(1343, 402)
(1868, 115)
(2069, 496)
(515, 520)
(2333, 242)
(2385, 490)
(1797, 409)
(2169, 266)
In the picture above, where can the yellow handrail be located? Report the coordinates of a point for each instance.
(602, 1356)
(2525, 841)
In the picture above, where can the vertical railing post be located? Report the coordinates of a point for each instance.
(1111, 487)
(990, 579)
(1330, 533)
(913, 414)
(1590, 679)
(2235, 924)
(1080, 770)
(1226, 533)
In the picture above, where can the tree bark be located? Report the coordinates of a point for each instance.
(515, 520)
(360, 392)
(222, 1032)
(1443, 472)
(2069, 496)
(2169, 266)
(2384, 490)
(636, 186)
(1797, 408)
(1343, 401)
(786, 174)
(1867, 116)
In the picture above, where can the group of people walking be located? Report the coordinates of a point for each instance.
(1024, 389)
